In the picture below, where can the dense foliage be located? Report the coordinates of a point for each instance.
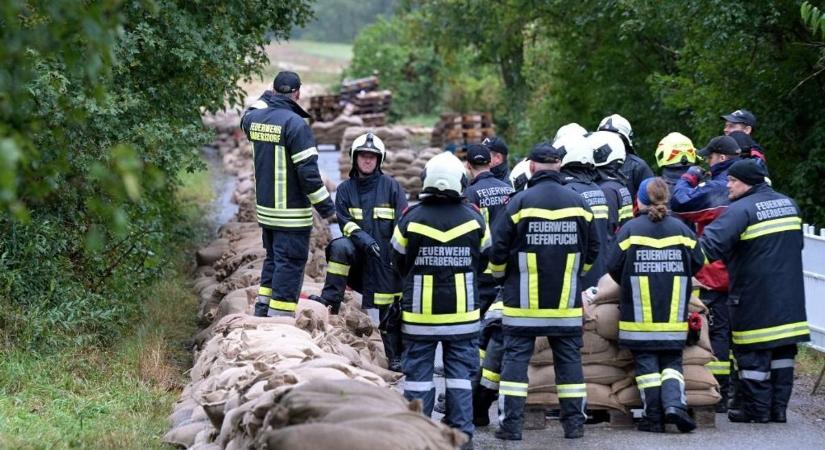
(99, 113)
(666, 66)
(341, 20)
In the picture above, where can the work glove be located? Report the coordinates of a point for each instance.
(693, 175)
(332, 307)
(366, 243)
(375, 250)
(694, 328)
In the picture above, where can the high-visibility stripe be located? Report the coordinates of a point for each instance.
(460, 293)
(282, 305)
(649, 380)
(571, 276)
(677, 299)
(647, 310)
(279, 166)
(626, 212)
(755, 375)
(287, 213)
(492, 385)
(418, 386)
(469, 284)
(657, 243)
(513, 389)
(496, 306)
(266, 291)
(416, 299)
(337, 268)
(719, 367)
(440, 319)
(443, 236)
(572, 390)
(441, 330)
(383, 213)
(533, 281)
(782, 364)
(651, 326)
(384, 298)
(600, 211)
(771, 333)
(672, 374)
(586, 268)
(490, 375)
(319, 195)
(286, 223)
(644, 336)
(543, 313)
(427, 296)
(486, 241)
(771, 226)
(482, 353)
(349, 228)
(356, 213)
(398, 241)
(458, 383)
(498, 270)
(304, 154)
(551, 214)
(542, 322)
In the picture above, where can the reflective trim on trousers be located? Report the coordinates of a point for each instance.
(490, 375)
(754, 375)
(672, 374)
(512, 389)
(458, 383)
(419, 386)
(492, 385)
(440, 330)
(337, 268)
(541, 322)
(279, 313)
(648, 381)
(572, 390)
(782, 364)
(719, 367)
(283, 305)
(373, 315)
(265, 291)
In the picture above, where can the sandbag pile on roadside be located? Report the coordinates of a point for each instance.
(332, 132)
(609, 370)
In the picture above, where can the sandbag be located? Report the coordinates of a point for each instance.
(602, 374)
(696, 355)
(707, 397)
(542, 358)
(184, 435)
(607, 321)
(600, 395)
(698, 378)
(542, 378)
(208, 255)
(593, 343)
(697, 305)
(608, 291)
(629, 396)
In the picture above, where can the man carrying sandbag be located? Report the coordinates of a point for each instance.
(367, 206)
(760, 240)
(438, 247)
(653, 258)
(551, 224)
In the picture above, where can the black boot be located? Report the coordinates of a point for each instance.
(573, 431)
(262, 306)
(650, 426)
(505, 436)
(468, 445)
(483, 398)
(739, 416)
(779, 416)
(681, 418)
(722, 406)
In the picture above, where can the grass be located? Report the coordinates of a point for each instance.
(339, 51)
(116, 397)
(810, 361)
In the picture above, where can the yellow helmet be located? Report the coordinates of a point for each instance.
(675, 149)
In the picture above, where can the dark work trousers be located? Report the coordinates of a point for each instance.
(766, 379)
(720, 337)
(345, 267)
(283, 270)
(660, 381)
(570, 385)
(460, 364)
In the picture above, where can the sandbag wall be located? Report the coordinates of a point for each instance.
(609, 371)
(312, 381)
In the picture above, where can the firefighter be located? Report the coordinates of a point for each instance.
(498, 158)
(578, 173)
(761, 228)
(367, 206)
(609, 156)
(438, 246)
(550, 224)
(287, 185)
(701, 202)
(675, 154)
(653, 258)
(635, 168)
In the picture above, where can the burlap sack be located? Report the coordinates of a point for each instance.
(629, 396)
(213, 252)
(704, 337)
(706, 397)
(696, 305)
(542, 358)
(602, 374)
(184, 435)
(607, 321)
(593, 343)
(608, 291)
(696, 355)
(698, 378)
(542, 378)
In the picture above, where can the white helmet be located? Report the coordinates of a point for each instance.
(618, 124)
(570, 128)
(520, 175)
(370, 143)
(607, 147)
(444, 173)
(577, 148)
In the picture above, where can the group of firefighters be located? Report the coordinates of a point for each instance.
(490, 260)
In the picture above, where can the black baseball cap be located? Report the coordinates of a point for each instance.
(724, 145)
(741, 116)
(478, 154)
(748, 171)
(286, 82)
(495, 144)
(544, 152)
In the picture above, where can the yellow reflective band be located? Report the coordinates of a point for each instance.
(695, 292)
(672, 374)
(626, 212)
(647, 310)
(440, 319)
(402, 241)
(719, 367)
(772, 226)
(551, 214)
(460, 293)
(383, 213)
(305, 154)
(657, 243)
(349, 228)
(771, 333)
(286, 223)
(282, 305)
(443, 236)
(568, 280)
(490, 375)
(356, 213)
(649, 380)
(658, 326)
(427, 296)
(497, 306)
(497, 269)
(382, 298)
(337, 268)
(587, 267)
(512, 389)
(572, 390)
(533, 281)
(543, 313)
(675, 300)
(482, 353)
(319, 195)
(263, 290)
(485, 240)
(485, 212)
(288, 213)
(600, 211)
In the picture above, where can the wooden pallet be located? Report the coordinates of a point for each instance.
(535, 417)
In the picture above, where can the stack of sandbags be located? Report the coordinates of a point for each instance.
(331, 133)
(406, 168)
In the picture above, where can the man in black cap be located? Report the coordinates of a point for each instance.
(498, 158)
(540, 247)
(761, 229)
(700, 204)
(739, 120)
(287, 186)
